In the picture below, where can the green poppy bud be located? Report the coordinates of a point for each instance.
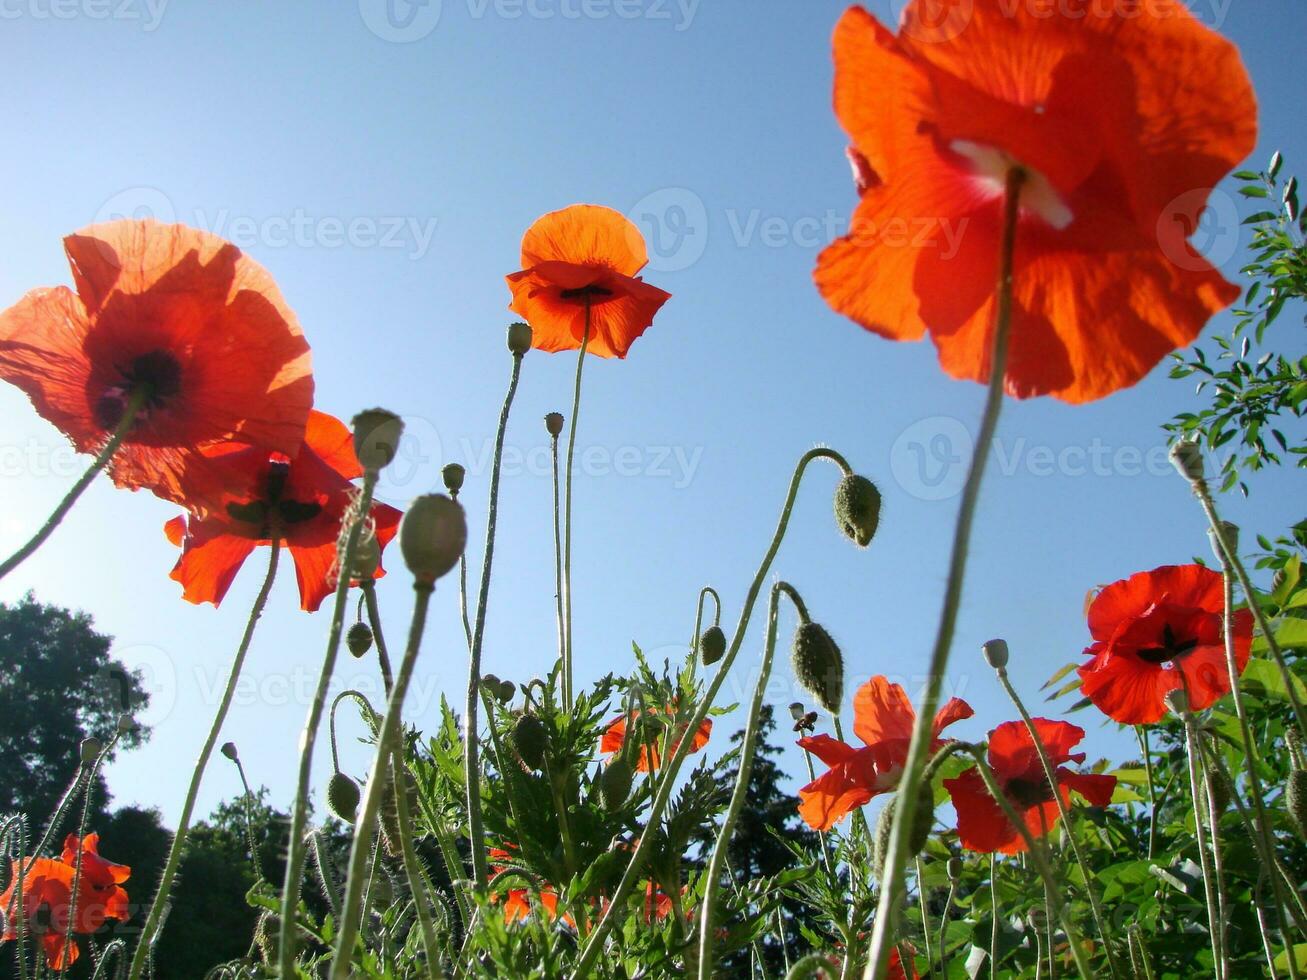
(365, 561)
(453, 474)
(615, 783)
(90, 750)
(954, 869)
(490, 684)
(432, 536)
(267, 936)
(819, 665)
(857, 509)
(712, 645)
(1295, 799)
(507, 691)
(554, 424)
(519, 338)
(922, 822)
(359, 639)
(343, 797)
(530, 738)
(1222, 790)
(376, 437)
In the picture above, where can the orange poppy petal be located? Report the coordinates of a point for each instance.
(558, 322)
(956, 710)
(832, 796)
(586, 234)
(210, 561)
(882, 712)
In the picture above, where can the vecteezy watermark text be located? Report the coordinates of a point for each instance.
(148, 13)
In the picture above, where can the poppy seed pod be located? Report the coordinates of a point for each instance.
(90, 750)
(615, 783)
(530, 739)
(1177, 701)
(432, 536)
(857, 509)
(229, 750)
(376, 437)
(1187, 458)
(1295, 799)
(1229, 534)
(126, 724)
(359, 639)
(712, 645)
(996, 653)
(507, 691)
(819, 665)
(954, 869)
(365, 561)
(343, 797)
(453, 475)
(554, 424)
(519, 338)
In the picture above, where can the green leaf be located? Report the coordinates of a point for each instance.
(1299, 955)
(1254, 191)
(1263, 678)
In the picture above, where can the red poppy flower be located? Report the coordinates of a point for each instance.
(883, 718)
(302, 501)
(615, 736)
(1121, 150)
(982, 825)
(1157, 631)
(517, 901)
(100, 894)
(183, 318)
(584, 257)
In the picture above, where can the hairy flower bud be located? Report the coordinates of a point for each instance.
(519, 338)
(376, 437)
(954, 869)
(453, 475)
(530, 738)
(1222, 790)
(554, 424)
(343, 797)
(359, 639)
(857, 509)
(1295, 799)
(996, 653)
(432, 536)
(90, 750)
(819, 665)
(365, 561)
(490, 684)
(229, 750)
(615, 783)
(507, 691)
(712, 645)
(1187, 458)
(922, 822)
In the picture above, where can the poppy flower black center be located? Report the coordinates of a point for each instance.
(596, 294)
(272, 507)
(1169, 650)
(158, 375)
(1029, 792)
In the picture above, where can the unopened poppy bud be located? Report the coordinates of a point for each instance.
(1222, 790)
(1294, 741)
(1229, 535)
(1177, 701)
(712, 645)
(267, 936)
(453, 475)
(819, 665)
(507, 691)
(126, 724)
(432, 536)
(1187, 458)
(365, 561)
(615, 783)
(359, 639)
(229, 750)
(519, 338)
(954, 869)
(796, 710)
(857, 509)
(490, 684)
(923, 819)
(530, 739)
(343, 797)
(90, 750)
(376, 437)
(554, 424)
(1295, 799)
(996, 653)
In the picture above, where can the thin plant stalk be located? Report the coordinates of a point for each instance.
(135, 402)
(413, 869)
(594, 943)
(370, 808)
(993, 910)
(943, 927)
(707, 931)
(1204, 852)
(353, 527)
(471, 740)
(1146, 749)
(558, 562)
(160, 903)
(81, 833)
(369, 587)
(462, 587)
(925, 915)
(1218, 864)
(919, 748)
(567, 515)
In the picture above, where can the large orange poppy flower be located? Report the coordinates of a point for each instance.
(615, 737)
(982, 825)
(883, 719)
(179, 316)
(1121, 146)
(585, 257)
(302, 501)
(1158, 631)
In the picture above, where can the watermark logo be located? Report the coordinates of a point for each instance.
(929, 459)
(674, 222)
(1196, 231)
(400, 21)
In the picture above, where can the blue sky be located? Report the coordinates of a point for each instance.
(384, 164)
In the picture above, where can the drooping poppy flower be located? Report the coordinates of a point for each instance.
(1120, 151)
(301, 501)
(1158, 631)
(982, 825)
(883, 718)
(585, 258)
(615, 737)
(176, 316)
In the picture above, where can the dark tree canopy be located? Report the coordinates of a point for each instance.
(58, 684)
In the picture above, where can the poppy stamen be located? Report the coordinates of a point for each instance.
(1170, 649)
(592, 292)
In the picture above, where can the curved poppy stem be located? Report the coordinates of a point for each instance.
(370, 808)
(369, 587)
(352, 528)
(1050, 774)
(712, 879)
(471, 741)
(248, 809)
(462, 586)
(558, 562)
(919, 748)
(134, 405)
(160, 903)
(594, 944)
(81, 833)
(567, 514)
